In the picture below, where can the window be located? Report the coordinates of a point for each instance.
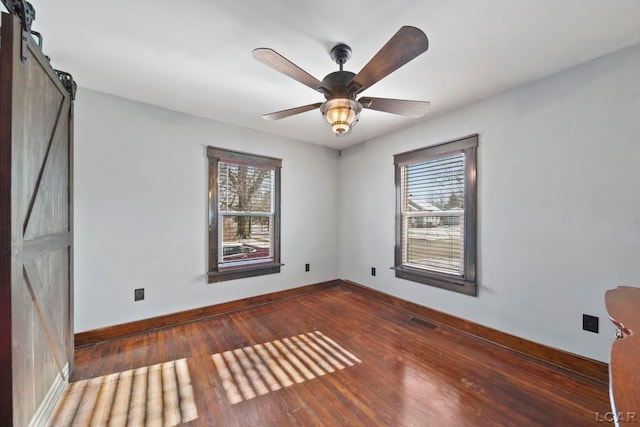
(436, 204)
(244, 215)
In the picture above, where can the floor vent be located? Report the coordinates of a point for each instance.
(422, 322)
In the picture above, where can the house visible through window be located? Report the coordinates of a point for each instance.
(436, 205)
(244, 215)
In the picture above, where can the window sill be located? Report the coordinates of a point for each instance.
(451, 283)
(231, 273)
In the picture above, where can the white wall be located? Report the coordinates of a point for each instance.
(559, 219)
(558, 223)
(141, 211)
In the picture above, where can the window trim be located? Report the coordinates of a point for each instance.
(215, 272)
(467, 283)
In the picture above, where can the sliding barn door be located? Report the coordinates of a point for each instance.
(35, 232)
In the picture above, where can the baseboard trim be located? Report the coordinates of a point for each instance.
(87, 338)
(581, 365)
(47, 407)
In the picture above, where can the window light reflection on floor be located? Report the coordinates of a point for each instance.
(263, 368)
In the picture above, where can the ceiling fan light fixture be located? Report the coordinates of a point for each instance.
(340, 88)
(341, 113)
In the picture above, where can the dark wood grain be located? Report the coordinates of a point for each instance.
(118, 331)
(35, 129)
(6, 63)
(623, 305)
(409, 374)
(575, 363)
(591, 368)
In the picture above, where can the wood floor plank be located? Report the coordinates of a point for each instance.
(308, 401)
(338, 358)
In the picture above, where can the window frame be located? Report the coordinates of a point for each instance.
(466, 283)
(215, 272)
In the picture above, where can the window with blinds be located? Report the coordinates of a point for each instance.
(433, 214)
(436, 215)
(246, 208)
(244, 199)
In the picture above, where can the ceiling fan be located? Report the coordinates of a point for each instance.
(340, 88)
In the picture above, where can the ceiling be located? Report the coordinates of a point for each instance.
(194, 56)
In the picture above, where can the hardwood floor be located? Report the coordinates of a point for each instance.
(336, 358)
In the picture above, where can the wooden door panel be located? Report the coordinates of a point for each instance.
(22, 356)
(44, 295)
(43, 109)
(47, 207)
(36, 144)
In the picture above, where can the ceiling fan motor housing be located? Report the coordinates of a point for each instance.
(338, 82)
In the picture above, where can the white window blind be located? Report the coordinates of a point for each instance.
(246, 210)
(433, 214)
(436, 215)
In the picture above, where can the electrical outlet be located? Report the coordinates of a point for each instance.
(138, 294)
(306, 267)
(373, 271)
(590, 323)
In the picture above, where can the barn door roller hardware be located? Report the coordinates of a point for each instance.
(69, 84)
(27, 14)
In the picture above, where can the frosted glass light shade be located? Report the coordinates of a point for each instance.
(341, 113)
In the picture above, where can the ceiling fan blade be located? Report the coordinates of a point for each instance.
(405, 45)
(291, 111)
(273, 59)
(403, 107)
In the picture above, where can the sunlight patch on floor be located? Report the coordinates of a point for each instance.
(157, 395)
(262, 368)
